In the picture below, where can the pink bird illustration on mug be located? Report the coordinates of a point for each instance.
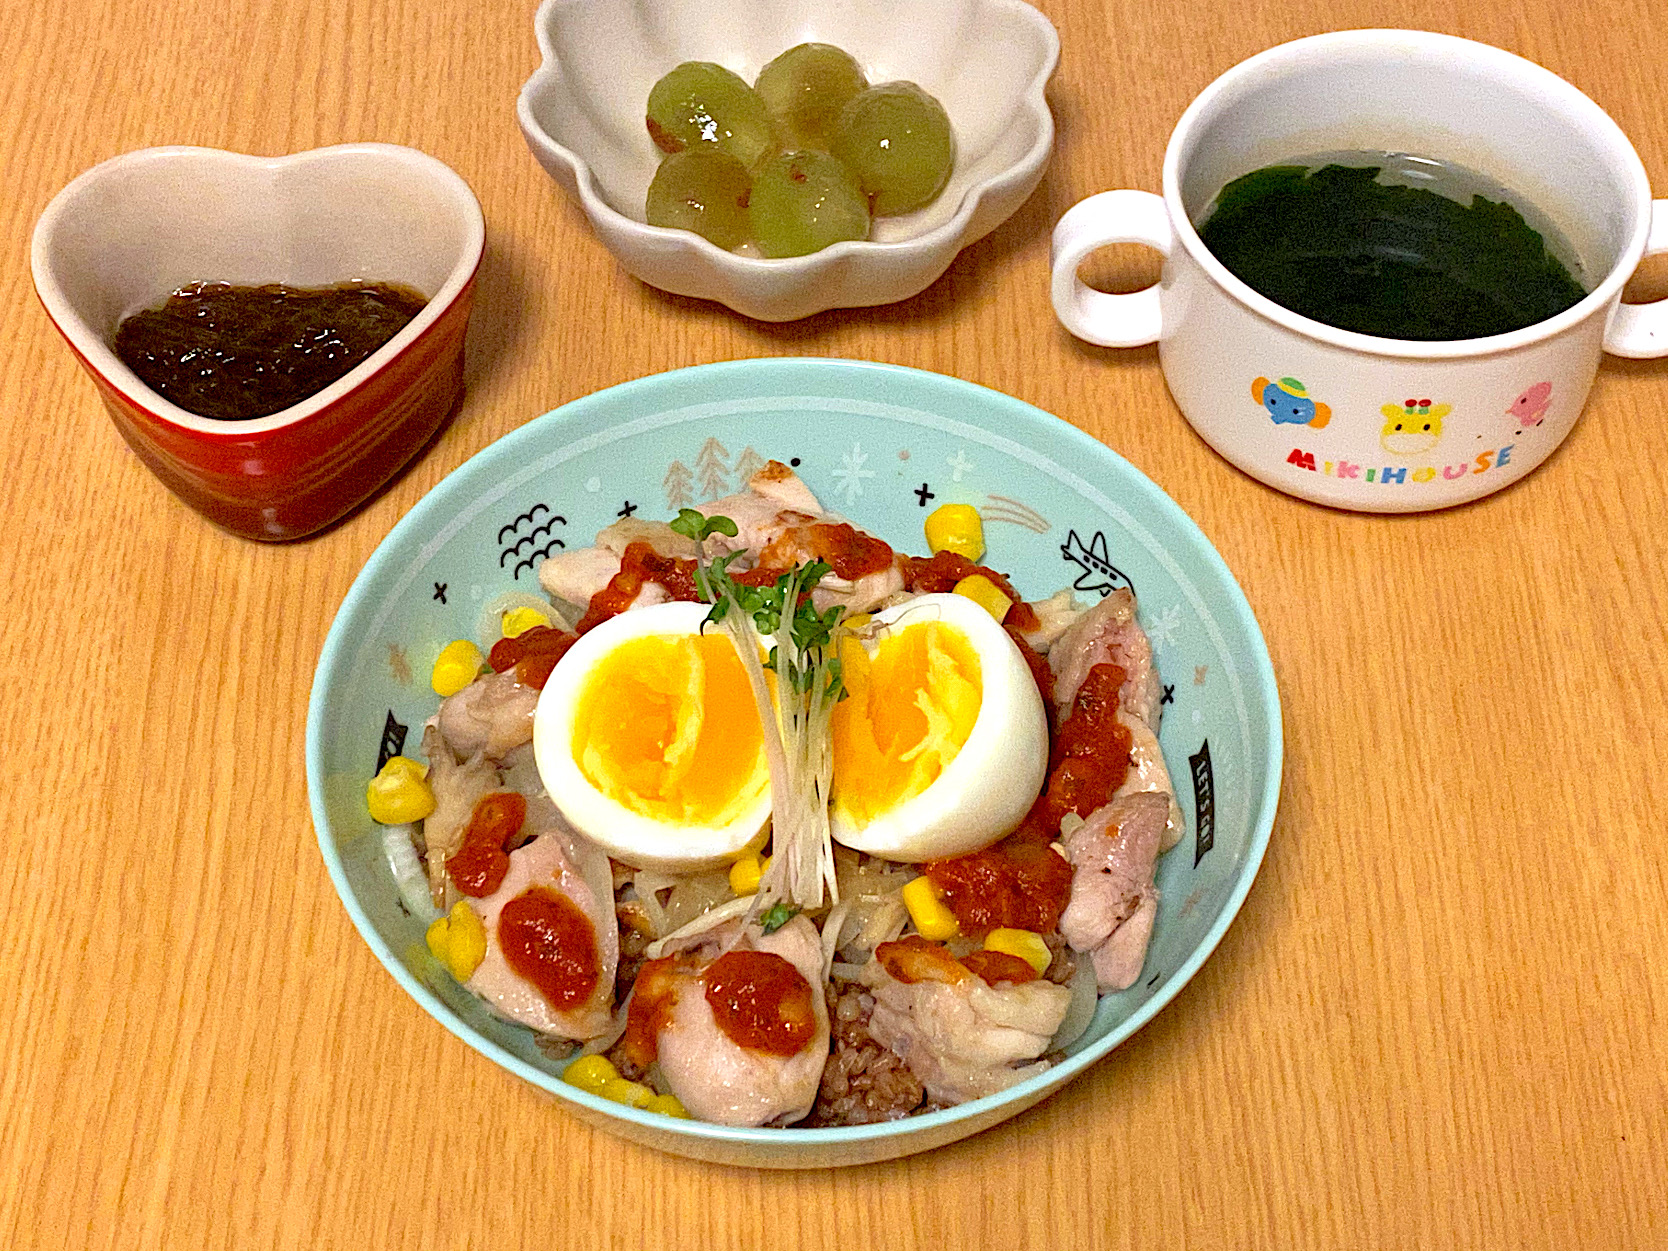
(1530, 407)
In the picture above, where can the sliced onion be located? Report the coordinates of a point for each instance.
(521, 771)
(616, 1027)
(693, 896)
(831, 934)
(648, 883)
(884, 923)
(869, 878)
(701, 924)
(409, 876)
(1085, 997)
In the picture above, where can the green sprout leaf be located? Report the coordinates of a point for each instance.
(693, 524)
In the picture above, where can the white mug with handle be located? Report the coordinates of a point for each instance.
(1348, 419)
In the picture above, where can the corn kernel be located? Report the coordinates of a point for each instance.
(986, 594)
(458, 664)
(458, 940)
(1027, 946)
(518, 621)
(956, 528)
(590, 1073)
(619, 1090)
(746, 872)
(926, 908)
(399, 794)
(667, 1105)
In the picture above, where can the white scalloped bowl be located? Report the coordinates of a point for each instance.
(987, 61)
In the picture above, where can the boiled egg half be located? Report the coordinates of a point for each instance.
(941, 745)
(647, 738)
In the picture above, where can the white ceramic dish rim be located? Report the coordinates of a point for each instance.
(948, 233)
(1022, 1095)
(103, 358)
(1273, 61)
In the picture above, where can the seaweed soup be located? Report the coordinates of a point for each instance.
(1393, 245)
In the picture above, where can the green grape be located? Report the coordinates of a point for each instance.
(704, 191)
(896, 139)
(805, 88)
(699, 103)
(803, 201)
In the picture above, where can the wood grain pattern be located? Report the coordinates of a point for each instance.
(1441, 1019)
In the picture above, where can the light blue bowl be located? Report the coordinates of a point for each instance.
(883, 445)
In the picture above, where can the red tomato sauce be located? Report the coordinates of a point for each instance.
(551, 943)
(942, 570)
(1020, 883)
(479, 865)
(654, 996)
(640, 564)
(1037, 663)
(1089, 759)
(532, 654)
(848, 551)
(761, 1002)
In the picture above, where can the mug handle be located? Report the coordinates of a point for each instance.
(1641, 330)
(1113, 217)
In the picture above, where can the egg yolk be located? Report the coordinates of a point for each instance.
(910, 709)
(666, 726)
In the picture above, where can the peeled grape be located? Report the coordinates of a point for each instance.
(803, 201)
(896, 139)
(704, 191)
(700, 104)
(805, 88)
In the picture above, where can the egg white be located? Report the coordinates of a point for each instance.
(638, 840)
(996, 776)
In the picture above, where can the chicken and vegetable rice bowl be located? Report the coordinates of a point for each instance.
(757, 820)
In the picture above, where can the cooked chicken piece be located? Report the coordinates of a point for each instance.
(717, 1080)
(1113, 898)
(773, 518)
(773, 493)
(778, 482)
(457, 788)
(520, 773)
(775, 500)
(1148, 772)
(567, 863)
(865, 594)
(660, 537)
(491, 716)
(1055, 615)
(575, 575)
(1107, 632)
(962, 1037)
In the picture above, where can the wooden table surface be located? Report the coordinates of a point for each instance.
(1440, 1020)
